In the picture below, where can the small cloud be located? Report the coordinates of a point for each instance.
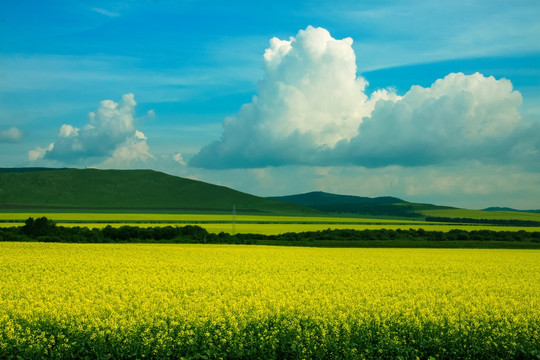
(140, 136)
(67, 131)
(39, 153)
(179, 159)
(110, 133)
(133, 151)
(151, 114)
(11, 135)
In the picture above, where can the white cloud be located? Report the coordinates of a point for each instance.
(110, 132)
(134, 151)
(310, 98)
(11, 135)
(179, 159)
(140, 136)
(311, 109)
(39, 153)
(458, 117)
(67, 131)
(115, 119)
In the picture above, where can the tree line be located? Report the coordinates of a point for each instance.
(45, 230)
(505, 222)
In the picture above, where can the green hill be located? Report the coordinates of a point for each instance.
(320, 198)
(466, 215)
(142, 190)
(153, 191)
(392, 207)
(353, 205)
(498, 208)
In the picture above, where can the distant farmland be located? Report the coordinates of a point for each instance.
(267, 225)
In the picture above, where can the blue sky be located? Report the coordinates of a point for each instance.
(428, 101)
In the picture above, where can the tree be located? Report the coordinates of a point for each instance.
(39, 227)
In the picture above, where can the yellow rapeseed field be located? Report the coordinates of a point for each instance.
(134, 301)
(257, 224)
(149, 218)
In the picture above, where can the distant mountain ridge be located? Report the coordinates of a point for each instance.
(28, 169)
(316, 198)
(349, 204)
(388, 206)
(150, 190)
(496, 208)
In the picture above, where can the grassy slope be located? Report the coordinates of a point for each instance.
(498, 208)
(318, 198)
(395, 208)
(386, 206)
(147, 190)
(136, 189)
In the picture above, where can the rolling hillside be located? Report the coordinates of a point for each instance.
(354, 205)
(498, 208)
(127, 189)
(397, 208)
(320, 198)
(65, 190)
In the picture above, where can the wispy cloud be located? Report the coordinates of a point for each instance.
(105, 12)
(30, 73)
(419, 31)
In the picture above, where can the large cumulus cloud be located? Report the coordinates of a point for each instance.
(312, 109)
(310, 98)
(459, 117)
(109, 134)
